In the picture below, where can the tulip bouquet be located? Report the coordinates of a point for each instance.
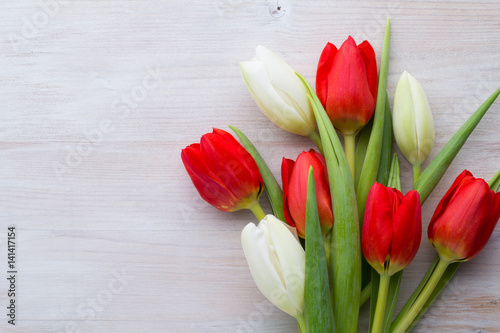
(341, 230)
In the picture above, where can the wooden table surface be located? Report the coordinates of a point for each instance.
(99, 97)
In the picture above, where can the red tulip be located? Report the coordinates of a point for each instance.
(346, 84)
(295, 176)
(223, 172)
(464, 219)
(392, 228)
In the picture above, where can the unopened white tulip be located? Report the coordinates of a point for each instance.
(278, 92)
(277, 263)
(412, 120)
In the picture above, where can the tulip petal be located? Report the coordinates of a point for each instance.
(495, 216)
(496, 206)
(277, 263)
(292, 258)
(324, 66)
(394, 198)
(460, 226)
(270, 102)
(287, 84)
(350, 103)
(368, 55)
(210, 187)
(405, 131)
(297, 191)
(489, 226)
(407, 232)
(233, 165)
(286, 172)
(262, 264)
(475, 212)
(443, 204)
(323, 196)
(226, 136)
(424, 123)
(377, 227)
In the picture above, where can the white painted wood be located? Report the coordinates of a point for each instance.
(99, 97)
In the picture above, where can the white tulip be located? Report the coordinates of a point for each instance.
(277, 263)
(412, 120)
(278, 92)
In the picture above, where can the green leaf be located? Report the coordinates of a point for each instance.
(394, 180)
(494, 182)
(375, 280)
(365, 294)
(271, 186)
(345, 257)
(318, 303)
(436, 169)
(386, 153)
(372, 159)
(359, 158)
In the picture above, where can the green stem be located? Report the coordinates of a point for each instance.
(394, 179)
(415, 294)
(257, 211)
(450, 271)
(327, 244)
(386, 152)
(317, 299)
(271, 185)
(350, 151)
(422, 298)
(317, 140)
(302, 323)
(383, 288)
(365, 294)
(494, 182)
(417, 169)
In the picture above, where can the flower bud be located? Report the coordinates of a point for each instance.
(224, 173)
(278, 92)
(277, 263)
(464, 219)
(295, 176)
(392, 228)
(346, 84)
(412, 120)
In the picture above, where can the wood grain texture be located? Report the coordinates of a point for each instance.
(99, 97)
